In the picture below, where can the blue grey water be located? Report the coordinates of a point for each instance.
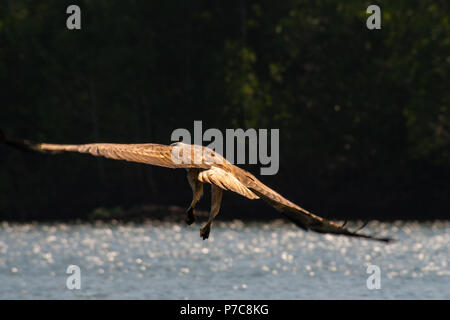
(275, 260)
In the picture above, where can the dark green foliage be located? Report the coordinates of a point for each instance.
(364, 116)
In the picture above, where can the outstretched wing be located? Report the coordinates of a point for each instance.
(301, 217)
(177, 155)
(226, 181)
(148, 153)
(305, 219)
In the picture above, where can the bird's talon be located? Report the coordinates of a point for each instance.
(204, 233)
(190, 219)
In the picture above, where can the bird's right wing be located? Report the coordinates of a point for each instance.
(299, 216)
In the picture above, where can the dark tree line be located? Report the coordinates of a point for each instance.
(364, 116)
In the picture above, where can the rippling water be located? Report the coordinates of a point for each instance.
(159, 260)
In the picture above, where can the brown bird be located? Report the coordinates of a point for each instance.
(203, 165)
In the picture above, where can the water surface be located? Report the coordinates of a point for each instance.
(275, 260)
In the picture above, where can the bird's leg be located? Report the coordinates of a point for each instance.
(216, 199)
(197, 192)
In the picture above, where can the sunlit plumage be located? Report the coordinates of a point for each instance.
(203, 165)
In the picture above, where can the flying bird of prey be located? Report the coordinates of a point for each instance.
(203, 165)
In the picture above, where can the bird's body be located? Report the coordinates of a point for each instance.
(203, 165)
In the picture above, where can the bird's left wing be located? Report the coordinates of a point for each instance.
(148, 153)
